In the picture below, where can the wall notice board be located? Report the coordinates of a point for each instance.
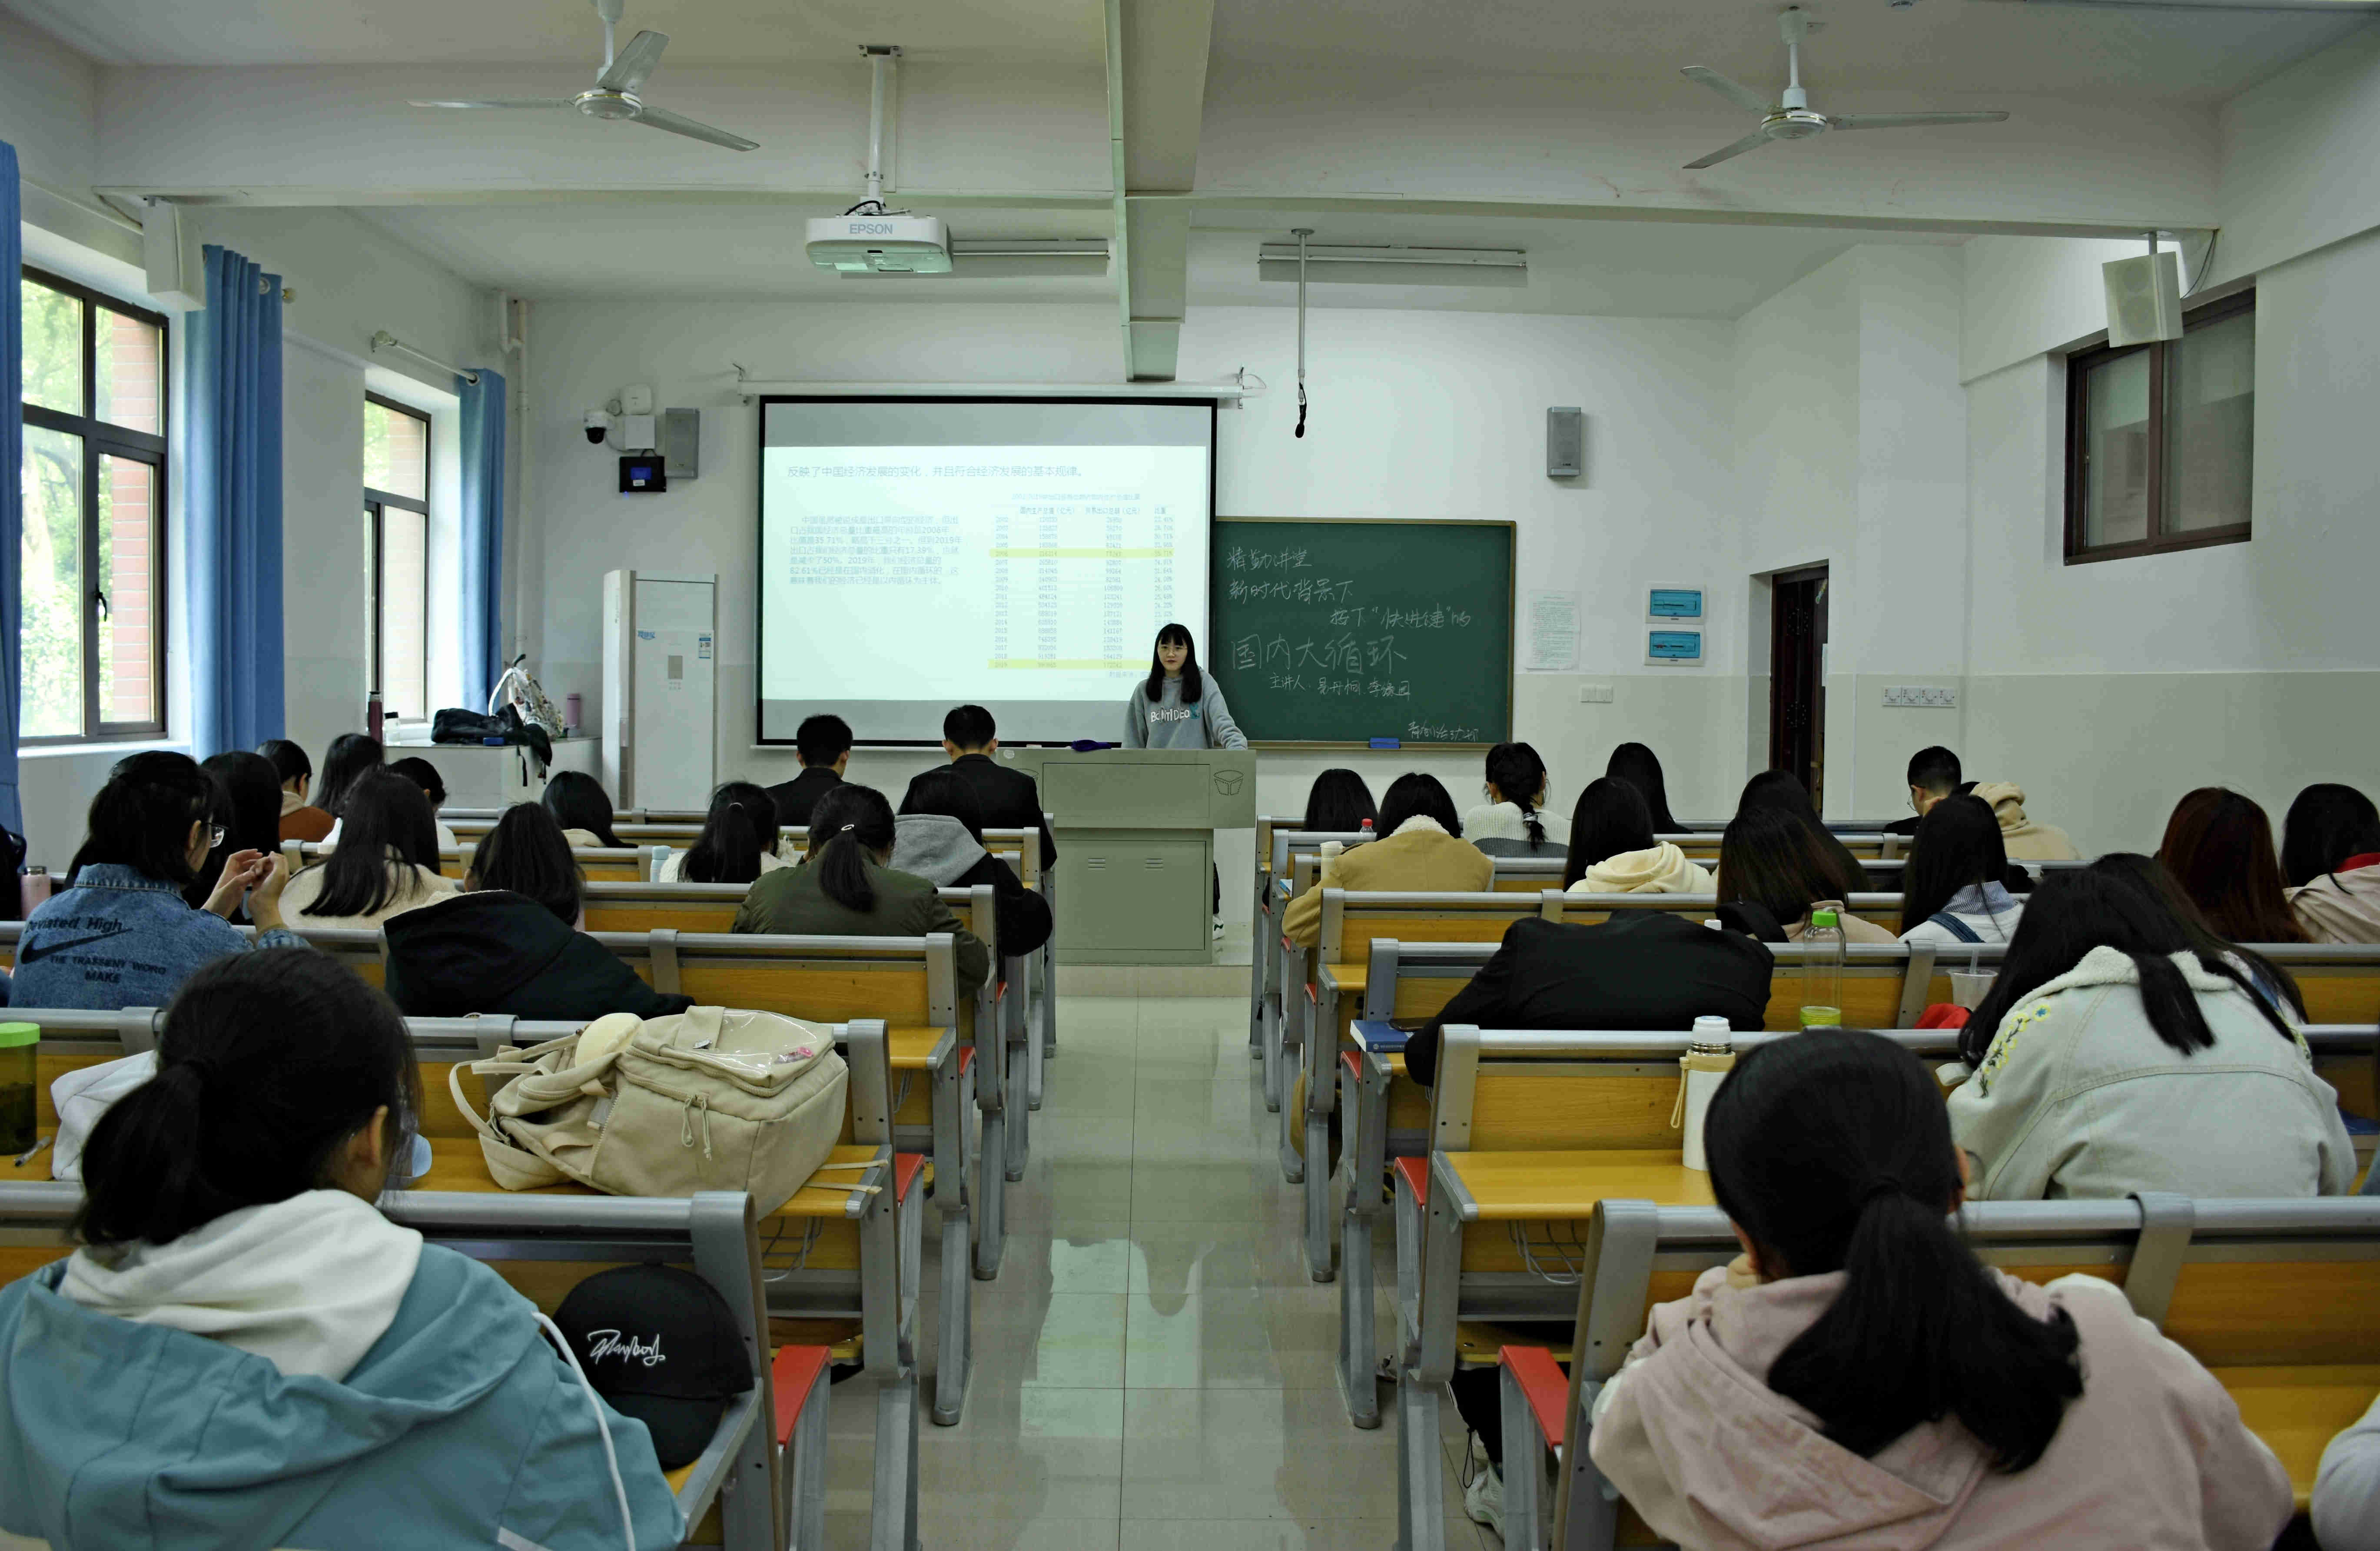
(1347, 630)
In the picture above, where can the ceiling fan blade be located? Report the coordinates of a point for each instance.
(1903, 120)
(632, 65)
(1752, 142)
(498, 102)
(1735, 91)
(677, 124)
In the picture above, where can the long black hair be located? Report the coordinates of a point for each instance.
(739, 830)
(1832, 1151)
(1958, 844)
(577, 801)
(526, 852)
(851, 827)
(385, 832)
(1418, 795)
(1193, 683)
(141, 819)
(1641, 768)
(346, 761)
(1339, 802)
(2076, 910)
(1516, 775)
(267, 1065)
(1769, 856)
(237, 814)
(2325, 825)
(288, 760)
(1782, 792)
(1609, 817)
(2273, 985)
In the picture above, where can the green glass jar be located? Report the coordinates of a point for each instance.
(20, 1114)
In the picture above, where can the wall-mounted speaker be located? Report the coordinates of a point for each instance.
(1565, 443)
(173, 283)
(2144, 299)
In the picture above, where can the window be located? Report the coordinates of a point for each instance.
(95, 494)
(2159, 437)
(397, 518)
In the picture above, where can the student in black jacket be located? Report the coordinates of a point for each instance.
(940, 836)
(825, 746)
(1007, 799)
(1641, 969)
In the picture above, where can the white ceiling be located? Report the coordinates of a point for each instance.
(694, 249)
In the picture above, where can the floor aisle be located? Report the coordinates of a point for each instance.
(1154, 1367)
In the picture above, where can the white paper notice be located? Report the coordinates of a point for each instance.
(1552, 646)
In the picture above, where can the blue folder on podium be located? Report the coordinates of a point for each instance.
(1377, 1034)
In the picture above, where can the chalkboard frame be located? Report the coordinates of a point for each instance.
(1215, 548)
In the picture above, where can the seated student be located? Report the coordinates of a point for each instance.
(1008, 799)
(1772, 857)
(848, 887)
(1933, 775)
(120, 935)
(244, 1353)
(2026, 841)
(424, 774)
(1641, 768)
(1513, 823)
(939, 836)
(299, 819)
(1339, 804)
(1955, 887)
(2346, 1506)
(738, 842)
(386, 863)
(2330, 853)
(2273, 985)
(350, 756)
(1421, 847)
(2218, 850)
(247, 810)
(824, 742)
(1858, 1377)
(1782, 792)
(583, 808)
(2113, 1055)
(1612, 850)
(508, 944)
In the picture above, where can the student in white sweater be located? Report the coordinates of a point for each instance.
(1955, 887)
(385, 864)
(1513, 821)
(1612, 850)
(2114, 1055)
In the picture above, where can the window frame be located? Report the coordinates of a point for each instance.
(2079, 368)
(375, 503)
(101, 440)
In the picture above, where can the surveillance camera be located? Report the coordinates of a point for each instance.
(598, 426)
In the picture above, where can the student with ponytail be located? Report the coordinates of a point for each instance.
(739, 841)
(847, 885)
(1513, 821)
(2122, 1049)
(244, 1353)
(1858, 1377)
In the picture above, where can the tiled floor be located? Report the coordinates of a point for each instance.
(1153, 1367)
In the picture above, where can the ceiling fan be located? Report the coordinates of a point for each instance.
(1791, 117)
(614, 93)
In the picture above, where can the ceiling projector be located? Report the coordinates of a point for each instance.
(865, 243)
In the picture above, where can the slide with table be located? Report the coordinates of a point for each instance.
(917, 553)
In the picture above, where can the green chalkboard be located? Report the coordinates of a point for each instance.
(1340, 631)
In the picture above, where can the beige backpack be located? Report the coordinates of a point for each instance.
(704, 1100)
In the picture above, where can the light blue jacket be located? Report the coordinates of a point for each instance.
(460, 1427)
(121, 939)
(1166, 722)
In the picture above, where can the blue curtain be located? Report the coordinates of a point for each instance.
(482, 535)
(232, 371)
(12, 493)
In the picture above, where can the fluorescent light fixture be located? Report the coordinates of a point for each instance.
(1326, 264)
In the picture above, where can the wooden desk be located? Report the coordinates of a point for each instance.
(1532, 1187)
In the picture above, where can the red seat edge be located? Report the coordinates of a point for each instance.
(1542, 1385)
(796, 1369)
(1415, 1172)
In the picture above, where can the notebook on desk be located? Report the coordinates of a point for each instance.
(1379, 1035)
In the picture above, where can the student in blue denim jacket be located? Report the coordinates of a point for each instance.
(120, 935)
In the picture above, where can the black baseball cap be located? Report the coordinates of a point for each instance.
(659, 1344)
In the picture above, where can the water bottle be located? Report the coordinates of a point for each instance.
(19, 1106)
(1708, 1059)
(1822, 968)
(1329, 853)
(1367, 828)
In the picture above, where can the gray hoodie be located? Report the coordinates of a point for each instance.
(934, 846)
(1168, 723)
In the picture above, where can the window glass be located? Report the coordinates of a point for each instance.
(404, 571)
(128, 580)
(130, 365)
(2116, 422)
(52, 348)
(51, 667)
(397, 452)
(2210, 424)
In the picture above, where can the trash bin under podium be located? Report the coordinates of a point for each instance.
(1136, 831)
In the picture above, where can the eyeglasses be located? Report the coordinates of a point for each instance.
(215, 833)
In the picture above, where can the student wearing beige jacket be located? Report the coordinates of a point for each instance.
(2026, 841)
(1859, 1379)
(1422, 850)
(1612, 850)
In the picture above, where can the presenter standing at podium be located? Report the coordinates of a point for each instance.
(1177, 706)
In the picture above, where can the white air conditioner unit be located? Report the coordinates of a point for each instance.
(863, 244)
